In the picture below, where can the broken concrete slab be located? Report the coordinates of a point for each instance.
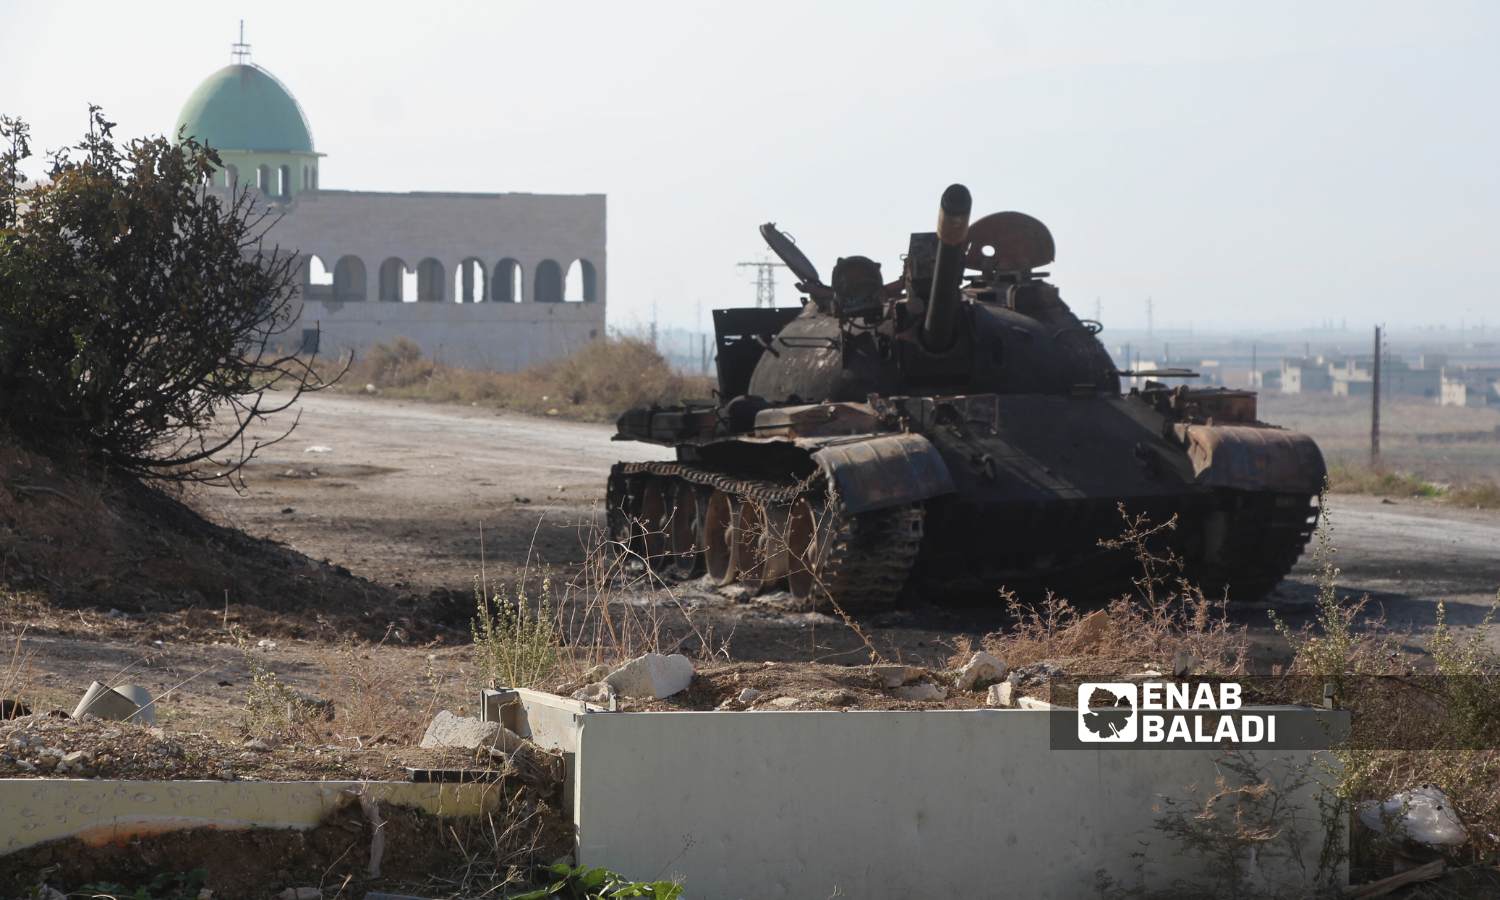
(126, 702)
(1001, 695)
(463, 732)
(981, 669)
(600, 693)
(896, 676)
(921, 692)
(653, 676)
(1424, 815)
(1032, 703)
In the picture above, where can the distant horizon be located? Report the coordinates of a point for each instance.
(1294, 163)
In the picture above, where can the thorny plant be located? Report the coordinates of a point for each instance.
(272, 710)
(1245, 826)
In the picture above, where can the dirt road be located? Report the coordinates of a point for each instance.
(419, 496)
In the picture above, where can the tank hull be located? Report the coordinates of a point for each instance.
(988, 492)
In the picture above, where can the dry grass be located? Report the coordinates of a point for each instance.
(596, 383)
(1352, 478)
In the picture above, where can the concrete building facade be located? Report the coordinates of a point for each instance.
(495, 281)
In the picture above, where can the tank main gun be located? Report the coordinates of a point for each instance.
(947, 276)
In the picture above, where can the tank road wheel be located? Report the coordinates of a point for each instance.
(747, 545)
(682, 532)
(718, 538)
(855, 563)
(802, 546)
(650, 524)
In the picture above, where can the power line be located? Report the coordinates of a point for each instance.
(765, 280)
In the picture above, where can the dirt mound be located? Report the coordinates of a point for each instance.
(334, 856)
(79, 538)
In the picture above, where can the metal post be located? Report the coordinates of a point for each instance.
(1375, 403)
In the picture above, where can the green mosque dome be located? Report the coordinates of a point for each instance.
(244, 107)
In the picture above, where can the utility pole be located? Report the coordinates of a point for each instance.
(703, 350)
(765, 281)
(1375, 403)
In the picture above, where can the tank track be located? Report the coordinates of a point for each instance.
(869, 558)
(1266, 536)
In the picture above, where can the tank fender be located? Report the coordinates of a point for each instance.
(1254, 458)
(884, 471)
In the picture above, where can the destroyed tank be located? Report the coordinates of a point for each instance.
(957, 428)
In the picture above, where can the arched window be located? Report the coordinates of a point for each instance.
(284, 182)
(429, 281)
(549, 287)
(469, 282)
(264, 180)
(508, 282)
(349, 279)
(317, 272)
(393, 283)
(580, 284)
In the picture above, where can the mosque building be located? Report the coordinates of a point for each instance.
(493, 281)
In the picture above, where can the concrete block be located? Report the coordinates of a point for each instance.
(652, 675)
(600, 693)
(1032, 703)
(981, 668)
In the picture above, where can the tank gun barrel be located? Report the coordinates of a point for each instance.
(947, 274)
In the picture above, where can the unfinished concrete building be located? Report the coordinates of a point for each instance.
(494, 281)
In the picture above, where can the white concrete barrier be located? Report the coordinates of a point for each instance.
(874, 804)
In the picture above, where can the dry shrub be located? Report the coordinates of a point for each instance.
(596, 383)
(1166, 617)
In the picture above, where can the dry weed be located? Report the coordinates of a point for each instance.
(596, 383)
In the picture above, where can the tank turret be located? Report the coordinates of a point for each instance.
(956, 429)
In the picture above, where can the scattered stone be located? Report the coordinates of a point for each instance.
(600, 693)
(1037, 672)
(25, 765)
(464, 732)
(784, 702)
(896, 676)
(832, 697)
(318, 448)
(258, 745)
(1148, 675)
(748, 696)
(1033, 703)
(265, 644)
(1424, 815)
(77, 758)
(982, 669)
(371, 389)
(921, 692)
(1001, 695)
(652, 675)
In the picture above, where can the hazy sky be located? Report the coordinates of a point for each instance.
(1244, 164)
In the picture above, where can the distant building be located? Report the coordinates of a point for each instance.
(1470, 386)
(474, 279)
(1304, 375)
